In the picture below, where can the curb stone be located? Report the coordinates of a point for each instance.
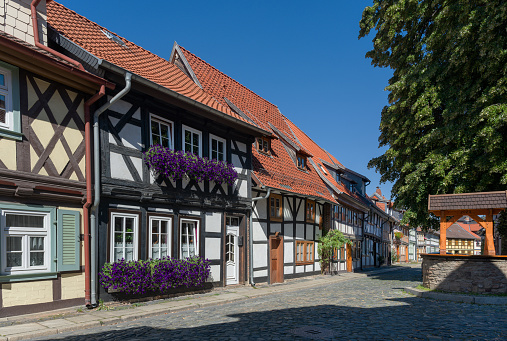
(440, 296)
(118, 316)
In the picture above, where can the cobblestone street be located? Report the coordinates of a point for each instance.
(373, 307)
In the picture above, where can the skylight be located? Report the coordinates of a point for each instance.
(114, 38)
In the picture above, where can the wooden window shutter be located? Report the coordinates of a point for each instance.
(68, 241)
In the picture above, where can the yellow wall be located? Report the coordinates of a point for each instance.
(8, 153)
(43, 129)
(73, 285)
(23, 293)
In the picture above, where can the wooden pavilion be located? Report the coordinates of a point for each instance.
(473, 205)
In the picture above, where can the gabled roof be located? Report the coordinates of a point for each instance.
(468, 201)
(278, 170)
(108, 46)
(457, 231)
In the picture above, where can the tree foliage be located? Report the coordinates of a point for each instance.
(334, 239)
(446, 123)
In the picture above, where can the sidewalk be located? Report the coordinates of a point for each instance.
(78, 318)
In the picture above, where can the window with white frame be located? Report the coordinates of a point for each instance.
(216, 148)
(159, 237)
(124, 236)
(25, 241)
(5, 99)
(189, 232)
(161, 132)
(192, 140)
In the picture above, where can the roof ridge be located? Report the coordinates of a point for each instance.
(205, 62)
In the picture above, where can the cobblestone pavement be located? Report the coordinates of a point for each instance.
(373, 308)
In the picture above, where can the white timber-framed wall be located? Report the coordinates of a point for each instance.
(293, 228)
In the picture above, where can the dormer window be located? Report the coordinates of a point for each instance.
(301, 160)
(263, 145)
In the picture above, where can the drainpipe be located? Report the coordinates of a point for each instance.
(252, 283)
(88, 203)
(33, 8)
(96, 201)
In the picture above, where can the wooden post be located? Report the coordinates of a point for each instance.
(489, 247)
(443, 232)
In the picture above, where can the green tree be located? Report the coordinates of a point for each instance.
(446, 123)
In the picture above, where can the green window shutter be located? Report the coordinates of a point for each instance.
(68, 241)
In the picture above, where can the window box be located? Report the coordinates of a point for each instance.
(176, 165)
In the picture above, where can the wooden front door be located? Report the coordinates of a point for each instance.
(349, 258)
(276, 259)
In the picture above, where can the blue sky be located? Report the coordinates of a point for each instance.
(303, 57)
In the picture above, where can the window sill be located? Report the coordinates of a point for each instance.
(14, 135)
(304, 263)
(27, 277)
(276, 219)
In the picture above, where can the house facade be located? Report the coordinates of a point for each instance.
(43, 100)
(142, 214)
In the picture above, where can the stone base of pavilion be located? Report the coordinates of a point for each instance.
(465, 274)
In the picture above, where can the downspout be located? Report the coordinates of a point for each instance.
(252, 282)
(96, 171)
(33, 8)
(88, 203)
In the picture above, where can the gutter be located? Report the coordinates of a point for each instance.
(141, 80)
(88, 203)
(250, 235)
(33, 9)
(96, 201)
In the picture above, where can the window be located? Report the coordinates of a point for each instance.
(275, 207)
(310, 211)
(189, 232)
(161, 132)
(124, 236)
(159, 237)
(304, 252)
(192, 140)
(263, 145)
(217, 148)
(301, 159)
(25, 241)
(10, 121)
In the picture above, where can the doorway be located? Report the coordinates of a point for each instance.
(232, 250)
(276, 259)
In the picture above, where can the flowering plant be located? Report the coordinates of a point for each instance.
(177, 164)
(154, 275)
(398, 235)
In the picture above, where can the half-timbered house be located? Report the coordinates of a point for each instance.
(295, 187)
(348, 211)
(143, 215)
(43, 99)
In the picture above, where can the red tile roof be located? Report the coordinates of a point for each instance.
(48, 57)
(90, 36)
(277, 170)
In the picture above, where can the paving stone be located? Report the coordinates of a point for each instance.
(58, 323)
(19, 329)
(373, 307)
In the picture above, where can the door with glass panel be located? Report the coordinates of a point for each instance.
(189, 238)
(232, 250)
(160, 237)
